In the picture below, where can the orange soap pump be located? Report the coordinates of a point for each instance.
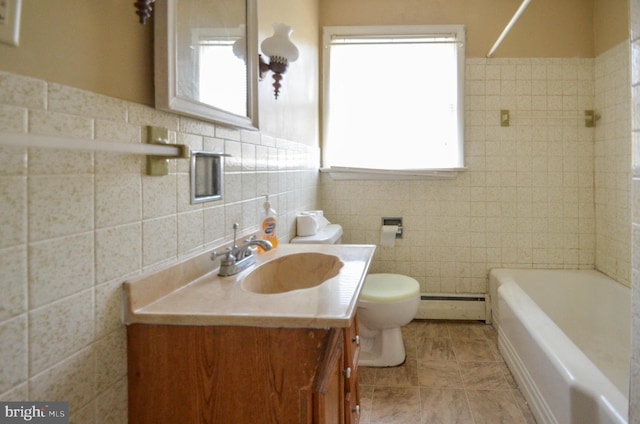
(269, 224)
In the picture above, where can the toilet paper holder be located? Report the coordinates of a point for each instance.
(394, 220)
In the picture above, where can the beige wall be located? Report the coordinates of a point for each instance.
(105, 50)
(93, 45)
(610, 24)
(548, 28)
(295, 114)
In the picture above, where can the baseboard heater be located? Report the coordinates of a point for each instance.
(454, 306)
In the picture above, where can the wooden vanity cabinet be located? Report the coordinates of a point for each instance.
(351, 357)
(234, 374)
(337, 390)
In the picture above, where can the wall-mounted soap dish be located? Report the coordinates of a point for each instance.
(207, 176)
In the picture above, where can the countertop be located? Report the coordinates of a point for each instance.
(191, 293)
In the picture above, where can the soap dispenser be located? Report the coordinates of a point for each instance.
(268, 229)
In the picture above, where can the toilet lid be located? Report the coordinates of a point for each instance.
(388, 288)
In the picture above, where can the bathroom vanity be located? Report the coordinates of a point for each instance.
(205, 349)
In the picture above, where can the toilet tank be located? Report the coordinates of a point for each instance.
(331, 234)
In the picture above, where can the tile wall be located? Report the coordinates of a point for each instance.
(527, 197)
(74, 225)
(634, 386)
(612, 156)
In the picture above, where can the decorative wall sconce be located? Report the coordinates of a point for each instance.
(143, 9)
(281, 51)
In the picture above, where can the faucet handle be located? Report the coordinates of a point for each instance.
(228, 255)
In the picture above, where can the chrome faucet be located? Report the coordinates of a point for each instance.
(239, 258)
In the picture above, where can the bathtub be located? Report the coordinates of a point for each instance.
(565, 336)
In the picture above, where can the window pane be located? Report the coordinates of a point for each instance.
(393, 106)
(221, 76)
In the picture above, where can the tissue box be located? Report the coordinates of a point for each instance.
(306, 225)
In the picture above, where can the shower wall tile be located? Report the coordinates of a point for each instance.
(159, 240)
(117, 199)
(19, 90)
(190, 231)
(60, 267)
(118, 251)
(111, 359)
(612, 153)
(145, 116)
(60, 205)
(60, 124)
(79, 102)
(213, 218)
(13, 119)
(59, 162)
(194, 126)
(108, 312)
(111, 405)
(158, 196)
(118, 131)
(60, 329)
(72, 379)
(13, 161)
(14, 348)
(13, 263)
(183, 192)
(13, 218)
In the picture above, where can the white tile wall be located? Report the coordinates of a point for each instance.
(634, 386)
(74, 225)
(613, 163)
(527, 196)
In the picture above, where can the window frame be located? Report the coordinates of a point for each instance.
(390, 30)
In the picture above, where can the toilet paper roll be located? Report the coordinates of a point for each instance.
(388, 235)
(306, 225)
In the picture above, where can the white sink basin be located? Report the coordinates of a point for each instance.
(292, 272)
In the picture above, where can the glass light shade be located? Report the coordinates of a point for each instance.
(279, 45)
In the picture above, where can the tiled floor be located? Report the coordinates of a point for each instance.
(453, 374)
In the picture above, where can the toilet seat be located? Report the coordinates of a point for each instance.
(385, 288)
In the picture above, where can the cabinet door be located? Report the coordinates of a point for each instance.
(352, 407)
(352, 344)
(352, 355)
(329, 388)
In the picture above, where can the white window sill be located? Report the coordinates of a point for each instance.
(344, 173)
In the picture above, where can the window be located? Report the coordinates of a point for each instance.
(221, 69)
(393, 98)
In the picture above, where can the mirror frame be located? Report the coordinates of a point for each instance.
(165, 70)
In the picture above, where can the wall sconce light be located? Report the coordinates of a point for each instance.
(144, 9)
(281, 51)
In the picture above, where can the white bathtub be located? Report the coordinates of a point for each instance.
(565, 335)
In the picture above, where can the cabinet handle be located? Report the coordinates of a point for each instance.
(347, 372)
(356, 340)
(356, 409)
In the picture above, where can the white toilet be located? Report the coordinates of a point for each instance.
(386, 303)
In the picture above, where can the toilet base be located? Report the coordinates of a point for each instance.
(385, 349)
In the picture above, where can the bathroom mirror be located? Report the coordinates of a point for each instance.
(206, 58)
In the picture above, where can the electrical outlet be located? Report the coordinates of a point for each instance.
(10, 21)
